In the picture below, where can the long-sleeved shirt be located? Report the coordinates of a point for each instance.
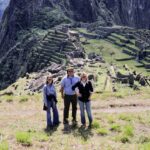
(67, 83)
(84, 89)
(48, 90)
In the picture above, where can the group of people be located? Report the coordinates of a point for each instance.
(74, 90)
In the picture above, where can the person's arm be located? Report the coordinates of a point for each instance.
(55, 94)
(44, 96)
(90, 87)
(75, 86)
(76, 89)
(62, 88)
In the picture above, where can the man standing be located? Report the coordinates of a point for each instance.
(69, 95)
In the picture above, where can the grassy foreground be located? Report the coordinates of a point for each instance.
(23, 125)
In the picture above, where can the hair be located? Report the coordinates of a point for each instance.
(50, 76)
(83, 74)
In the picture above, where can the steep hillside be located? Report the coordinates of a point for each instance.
(3, 5)
(25, 24)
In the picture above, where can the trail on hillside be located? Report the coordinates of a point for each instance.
(14, 110)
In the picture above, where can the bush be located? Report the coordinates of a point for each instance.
(24, 138)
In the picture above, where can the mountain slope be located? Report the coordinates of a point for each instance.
(3, 5)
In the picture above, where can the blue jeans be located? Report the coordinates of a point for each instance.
(87, 106)
(52, 105)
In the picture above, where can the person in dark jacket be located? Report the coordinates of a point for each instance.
(84, 91)
(50, 100)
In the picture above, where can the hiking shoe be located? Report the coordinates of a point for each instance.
(74, 122)
(83, 126)
(66, 122)
(90, 126)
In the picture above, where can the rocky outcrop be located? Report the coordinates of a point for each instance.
(3, 5)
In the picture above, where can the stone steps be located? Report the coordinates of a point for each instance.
(54, 38)
(127, 51)
(147, 59)
(132, 49)
(52, 48)
(57, 35)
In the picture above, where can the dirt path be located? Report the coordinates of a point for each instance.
(112, 106)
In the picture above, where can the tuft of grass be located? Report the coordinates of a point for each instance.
(115, 127)
(123, 138)
(9, 100)
(24, 138)
(4, 145)
(95, 124)
(41, 137)
(111, 119)
(125, 117)
(128, 130)
(145, 146)
(144, 139)
(102, 131)
(23, 99)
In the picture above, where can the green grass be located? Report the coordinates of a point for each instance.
(23, 99)
(24, 138)
(109, 48)
(95, 124)
(123, 138)
(128, 130)
(145, 146)
(115, 127)
(125, 117)
(102, 131)
(4, 145)
(144, 139)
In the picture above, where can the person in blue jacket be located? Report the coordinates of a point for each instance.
(50, 101)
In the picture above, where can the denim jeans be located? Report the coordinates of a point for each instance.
(87, 106)
(52, 106)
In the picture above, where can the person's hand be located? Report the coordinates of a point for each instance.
(90, 97)
(45, 107)
(62, 96)
(79, 95)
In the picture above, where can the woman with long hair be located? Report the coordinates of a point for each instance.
(84, 91)
(50, 101)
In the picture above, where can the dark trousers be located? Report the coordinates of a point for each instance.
(67, 100)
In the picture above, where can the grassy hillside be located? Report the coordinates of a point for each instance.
(121, 118)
